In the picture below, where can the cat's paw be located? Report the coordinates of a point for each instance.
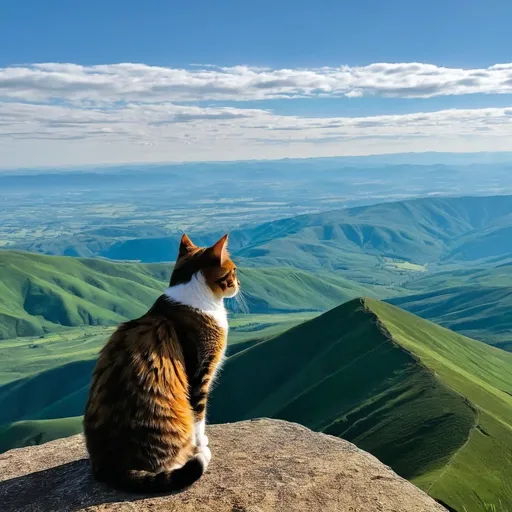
(204, 454)
(202, 441)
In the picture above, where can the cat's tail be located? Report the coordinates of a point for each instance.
(143, 482)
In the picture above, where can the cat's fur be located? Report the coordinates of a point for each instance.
(145, 417)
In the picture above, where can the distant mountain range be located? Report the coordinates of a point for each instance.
(447, 251)
(432, 230)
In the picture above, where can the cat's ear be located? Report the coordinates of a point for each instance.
(220, 249)
(186, 245)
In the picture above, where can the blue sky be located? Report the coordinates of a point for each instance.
(297, 33)
(165, 81)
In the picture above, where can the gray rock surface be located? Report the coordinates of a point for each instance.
(257, 466)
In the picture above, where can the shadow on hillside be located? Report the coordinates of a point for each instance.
(67, 488)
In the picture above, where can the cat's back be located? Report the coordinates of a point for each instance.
(141, 363)
(136, 343)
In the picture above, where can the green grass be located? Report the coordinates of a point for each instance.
(500, 507)
(40, 294)
(476, 302)
(405, 265)
(434, 405)
(27, 433)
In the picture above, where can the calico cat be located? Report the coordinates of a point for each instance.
(145, 417)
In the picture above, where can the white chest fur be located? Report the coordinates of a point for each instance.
(198, 295)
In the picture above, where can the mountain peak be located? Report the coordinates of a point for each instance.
(421, 398)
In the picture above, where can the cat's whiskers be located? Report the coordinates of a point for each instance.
(242, 302)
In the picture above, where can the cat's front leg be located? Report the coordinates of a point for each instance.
(199, 433)
(199, 391)
(198, 399)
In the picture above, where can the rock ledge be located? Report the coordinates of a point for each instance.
(257, 466)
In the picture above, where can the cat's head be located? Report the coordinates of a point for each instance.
(211, 264)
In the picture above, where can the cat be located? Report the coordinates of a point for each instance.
(144, 422)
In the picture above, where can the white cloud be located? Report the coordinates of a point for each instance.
(155, 122)
(59, 114)
(139, 82)
(33, 134)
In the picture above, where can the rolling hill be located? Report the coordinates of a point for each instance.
(355, 240)
(28, 433)
(419, 230)
(41, 294)
(432, 404)
(476, 302)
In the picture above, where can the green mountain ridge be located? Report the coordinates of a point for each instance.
(443, 232)
(423, 399)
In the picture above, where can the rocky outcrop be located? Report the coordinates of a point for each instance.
(257, 466)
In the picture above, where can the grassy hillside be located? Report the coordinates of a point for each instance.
(479, 471)
(27, 433)
(423, 399)
(41, 294)
(476, 302)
